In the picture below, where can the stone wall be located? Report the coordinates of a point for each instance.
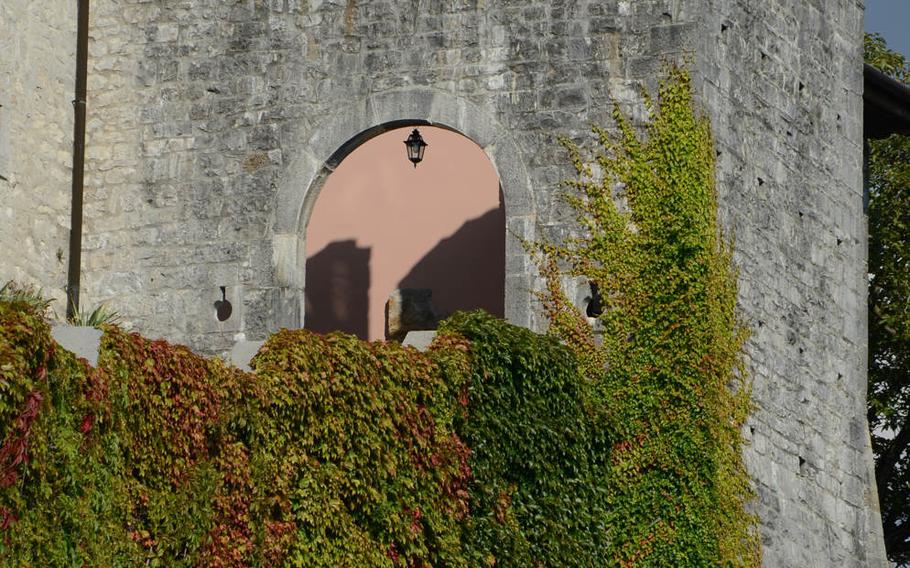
(213, 125)
(213, 122)
(37, 76)
(783, 82)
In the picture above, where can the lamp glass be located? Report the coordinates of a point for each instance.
(416, 147)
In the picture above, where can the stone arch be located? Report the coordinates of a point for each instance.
(319, 152)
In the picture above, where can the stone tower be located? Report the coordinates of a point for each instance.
(213, 124)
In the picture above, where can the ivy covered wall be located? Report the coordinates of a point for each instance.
(496, 447)
(485, 451)
(334, 452)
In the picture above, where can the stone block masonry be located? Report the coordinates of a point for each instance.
(212, 126)
(783, 85)
(37, 74)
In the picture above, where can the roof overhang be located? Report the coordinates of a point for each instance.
(886, 105)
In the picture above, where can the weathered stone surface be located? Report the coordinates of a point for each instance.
(243, 352)
(783, 82)
(82, 341)
(37, 75)
(211, 122)
(419, 339)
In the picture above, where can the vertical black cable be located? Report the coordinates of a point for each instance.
(75, 257)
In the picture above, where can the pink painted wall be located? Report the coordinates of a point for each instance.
(381, 224)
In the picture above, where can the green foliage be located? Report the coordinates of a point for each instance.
(536, 462)
(96, 318)
(335, 452)
(889, 316)
(356, 450)
(58, 498)
(170, 412)
(668, 378)
(25, 350)
(30, 296)
(890, 62)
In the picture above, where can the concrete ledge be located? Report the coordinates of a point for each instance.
(82, 341)
(243, 352)
(419, 339)
(85, 342)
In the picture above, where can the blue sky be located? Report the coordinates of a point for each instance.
(891, 18)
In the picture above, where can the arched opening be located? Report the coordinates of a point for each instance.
(431, 238)
(319, 149)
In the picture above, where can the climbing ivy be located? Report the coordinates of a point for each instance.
(355, 451)
(336, 452)
(333, 452)
(61, 491)
(537, 462)
(665, 360)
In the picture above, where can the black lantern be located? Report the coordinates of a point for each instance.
(416, 146)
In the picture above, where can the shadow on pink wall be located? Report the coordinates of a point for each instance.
(337, 286)
(466, 270)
